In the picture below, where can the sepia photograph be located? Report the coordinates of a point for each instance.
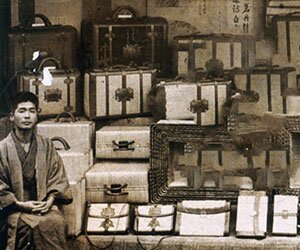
(149, 124)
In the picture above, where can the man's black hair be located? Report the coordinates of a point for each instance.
(24, 96)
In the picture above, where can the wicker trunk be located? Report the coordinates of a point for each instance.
(285, 215)
(126, 142)
(252, 209)
(107, 218)
(74, 212)
(202, 101)
(118, 182)
(203, 218)
(78, 132)
(154, 219)
(117, 93)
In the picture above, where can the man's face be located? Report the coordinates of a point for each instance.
(25, 115)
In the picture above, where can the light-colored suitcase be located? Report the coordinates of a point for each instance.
(286, 29)
(119, 93)
(193, 52)
(60, 95)
(123, 142)
(270, 84)
(202, 102)
(74, 212)
(252, 210)
(77, 131)
(203, 218)
(107, 218)
(117, 182)
(285, 215)
(76, 161)
(154, 219)
(292, 105)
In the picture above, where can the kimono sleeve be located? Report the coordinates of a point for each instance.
(7, 197)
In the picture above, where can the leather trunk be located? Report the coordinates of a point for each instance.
(59, 41)
(74, 212)
(203, 218)
(118, 182)
(117, 93)
(285, 215)
(123, 142)
(192, 52)
(62, 95)
(132, 42)
(252, 210)
(154, 219)
(107, 218)
(77, 131)
(270, 84)
(203, 101)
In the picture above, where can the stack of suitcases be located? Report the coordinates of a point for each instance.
(186, 148)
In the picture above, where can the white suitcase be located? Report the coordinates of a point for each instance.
(76, 161)
(203, 218)
(285, 215)
(123, 142)
(117, 93)
(107, 218)
(77, 131)
(252, 210)
(118, 182)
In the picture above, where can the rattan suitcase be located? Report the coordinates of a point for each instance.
(117, 182)
(123, 142)
(252, 210)
(77, 131)
(203, 218)
(74, 212)
(202, 101)
(61, 94)
(117, 93)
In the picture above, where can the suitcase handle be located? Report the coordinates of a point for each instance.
(62, 141)
(127, 8)
(49, 59)
(73, 118)
(199, 106)
(41, 16)
(115, 189)
(123, 145)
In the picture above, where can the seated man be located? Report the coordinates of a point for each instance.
(32, 178)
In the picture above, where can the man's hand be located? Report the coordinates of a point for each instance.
(38, 207)
(29, 206)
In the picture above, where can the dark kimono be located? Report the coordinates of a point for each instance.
(31, 176)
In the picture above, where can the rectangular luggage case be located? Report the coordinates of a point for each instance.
(77, 131)
(59, 41)
(202, 101)
(203, 218)
(131, 42)
(74, 212)
(123, 142)
(117, 93)
(193, 52)
(117, 182)
(269, 83)
(62, 94)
